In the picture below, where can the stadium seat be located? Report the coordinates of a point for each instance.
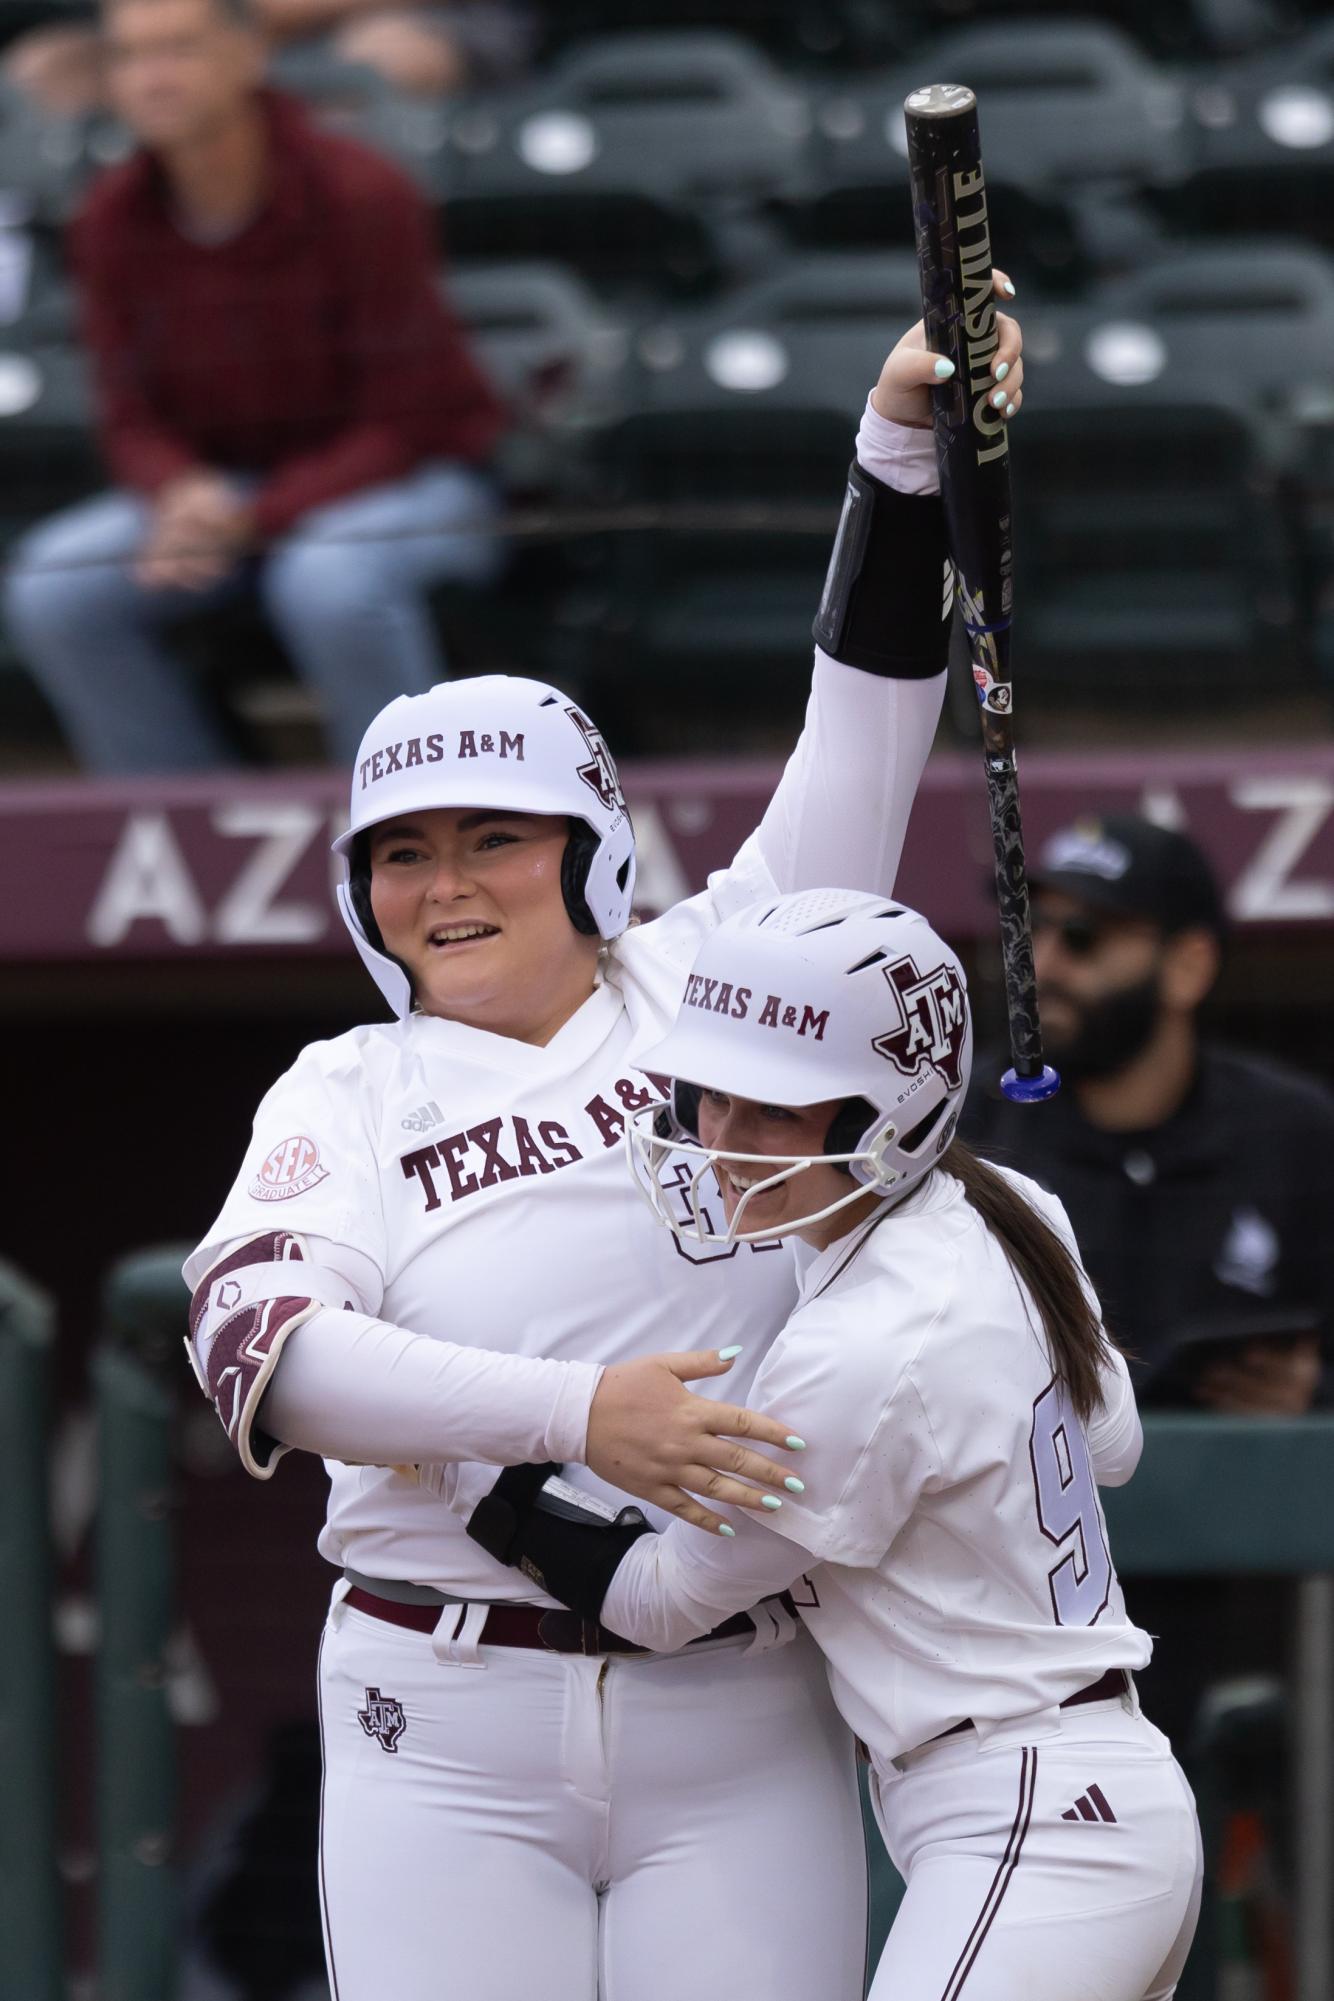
(1166, 27)
(1254, 320)
(48, 456)
(556, 353)
(1064, 102)
(351, 98)
(1075, 121)
(1262, 141)
(741, 431)
(629, 159)
(1131, 513)
(795, 31)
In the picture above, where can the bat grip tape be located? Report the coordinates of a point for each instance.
(889, 589)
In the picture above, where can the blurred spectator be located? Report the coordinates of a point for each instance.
(284, 398)
(428, 47)
(1197, 1179)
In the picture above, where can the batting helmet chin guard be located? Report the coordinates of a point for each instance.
(822, 994)
(496, 742)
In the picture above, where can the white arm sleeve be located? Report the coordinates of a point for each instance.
(841, 809)
(672, 1587)
(1115, 1434)
(362, 1390)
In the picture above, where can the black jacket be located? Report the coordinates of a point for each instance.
(1213, 1226)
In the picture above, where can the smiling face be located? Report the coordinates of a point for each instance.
(470, 901)
(739, 1126)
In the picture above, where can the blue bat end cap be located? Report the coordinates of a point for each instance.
(1031, 1090)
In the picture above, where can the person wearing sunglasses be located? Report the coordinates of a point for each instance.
(1196, 1177)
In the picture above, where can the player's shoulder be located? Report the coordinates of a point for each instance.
(342, 1066)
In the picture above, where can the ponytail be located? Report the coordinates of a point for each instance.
(1077, 1342)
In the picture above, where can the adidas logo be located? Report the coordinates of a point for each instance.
(1091, 1805)
(423, 1118)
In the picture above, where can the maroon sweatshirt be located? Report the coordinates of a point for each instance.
(313, 348)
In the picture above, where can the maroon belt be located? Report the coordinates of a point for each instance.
(1107, 1688)
(554, 1632)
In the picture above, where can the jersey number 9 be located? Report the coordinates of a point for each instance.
(1068, 1515)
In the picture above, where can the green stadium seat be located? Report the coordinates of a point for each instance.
(354, 99)
(48, 457)
(630, 159)
(1075, 122)
(1262, 142)
(794, 31)
(741, 429)
(1131, 516)
(554, 350)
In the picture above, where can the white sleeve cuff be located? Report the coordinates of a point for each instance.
(567, 1427)
(901, 456)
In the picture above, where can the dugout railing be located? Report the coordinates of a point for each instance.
(1211, 1497)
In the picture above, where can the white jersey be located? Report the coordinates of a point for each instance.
(950, 1555)
(479, 1182)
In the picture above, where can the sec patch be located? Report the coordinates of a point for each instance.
(291, 1168)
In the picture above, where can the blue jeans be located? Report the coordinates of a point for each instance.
(345, 590)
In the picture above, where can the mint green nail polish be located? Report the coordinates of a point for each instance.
(729, 1354)
(794, 1485)
(1008, 289)
(944, 368)
(998, 399)
(771, 1501)
(1002, 371)
(725, 1528)
(795, 1444)
(1009, 410)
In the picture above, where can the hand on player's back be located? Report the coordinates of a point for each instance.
(650, 1437)
(902, 393)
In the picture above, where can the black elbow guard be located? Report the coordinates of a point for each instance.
(568, 1542)
(890, 587)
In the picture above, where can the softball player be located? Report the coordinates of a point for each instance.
(432, 1254)
(947, 1360)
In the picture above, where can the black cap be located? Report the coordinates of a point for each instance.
(1124, 863)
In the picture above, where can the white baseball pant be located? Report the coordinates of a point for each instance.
(576, 1829)
(1059, 1860)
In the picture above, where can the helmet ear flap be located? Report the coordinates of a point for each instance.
(580, 849)
(685, 1107)
(359, 890)
(846, 1127)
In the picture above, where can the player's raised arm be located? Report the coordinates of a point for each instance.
(841, 809)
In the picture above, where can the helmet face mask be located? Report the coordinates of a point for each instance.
(821, 995)
(685, 1204)
(500, 742)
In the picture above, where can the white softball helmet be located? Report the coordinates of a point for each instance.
(824, 993)
(495, 741)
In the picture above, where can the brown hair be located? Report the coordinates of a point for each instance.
(1077, 1342)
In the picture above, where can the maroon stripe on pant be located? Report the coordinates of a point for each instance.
(324, 1766)
(1000, 1882)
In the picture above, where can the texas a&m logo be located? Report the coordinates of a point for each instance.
(934, 1015)
(383, 1718)
(599, 774)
